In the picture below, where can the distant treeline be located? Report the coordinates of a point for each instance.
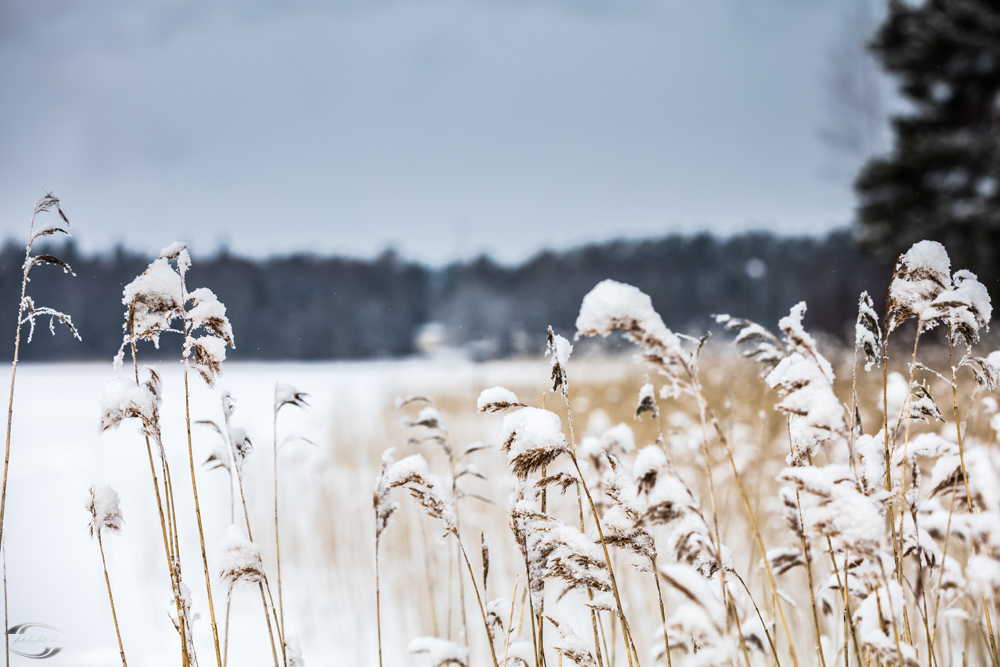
(309, 307)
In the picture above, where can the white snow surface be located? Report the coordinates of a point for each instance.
(325, 497)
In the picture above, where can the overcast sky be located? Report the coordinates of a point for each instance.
(442, 128)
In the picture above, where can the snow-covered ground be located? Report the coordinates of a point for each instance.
(54, 569)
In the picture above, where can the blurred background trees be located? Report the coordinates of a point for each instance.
(313, 308)
(940, 179)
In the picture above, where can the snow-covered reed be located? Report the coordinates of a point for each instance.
(236, 449)
(106, 515)
(895, 529)
(158, 302)
(27, 311)
(437, 500)
(154, 302)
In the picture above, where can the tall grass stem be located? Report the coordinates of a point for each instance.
(114, 615)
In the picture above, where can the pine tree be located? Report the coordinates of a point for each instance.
(942, 179)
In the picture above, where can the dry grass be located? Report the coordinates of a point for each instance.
(420, 588)
(417, 568)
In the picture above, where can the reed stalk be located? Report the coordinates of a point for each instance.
(482, 609)
(6, 621)
(895, 626)
(168, 547)
(13, 369)
(958, 423)
(534, 630)
(541, 605)
(510, 621)
(944, 557)
(808, 559)
(197, 505)
(260, 584)
(225, 642)
(743, 641)
(600, 532)
(760, 617)
(663, 616)
(378, 610)
(906, 444)
(114, 616)
(281, 637)
(287, 396)
(277, 533)
(706, 409)
(590, 594)
(46, 203)
(896, 550)
(607, 557)
(994, 655)
(706, 415)
(428, 579)
(809, 579)
(848, 621)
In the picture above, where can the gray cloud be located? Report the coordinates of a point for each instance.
(441, 127)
